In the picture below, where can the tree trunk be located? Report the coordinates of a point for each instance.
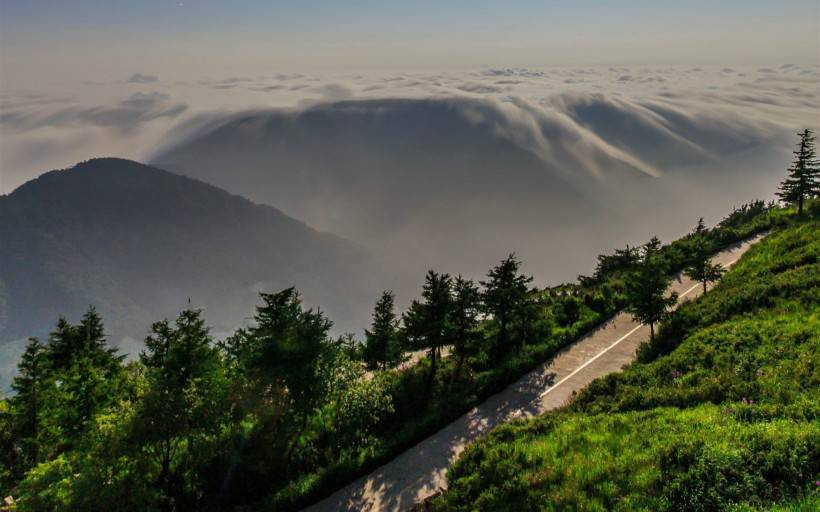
(800, 204)
(502, 336)
(651, 331)
(704, 287)
(459, 364)
(292, 443)
(431, 379)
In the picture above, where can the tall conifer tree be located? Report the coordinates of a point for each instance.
(382, 348)
(646, 287)
(803, 181)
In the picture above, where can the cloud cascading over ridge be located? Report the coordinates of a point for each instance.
(344, 152)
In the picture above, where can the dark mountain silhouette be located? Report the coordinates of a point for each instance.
(137, 242)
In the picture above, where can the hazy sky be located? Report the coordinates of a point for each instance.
(104, 39)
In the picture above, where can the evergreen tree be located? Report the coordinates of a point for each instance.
(427, 323)
(505, 293)
(350, 346)
(701, 268)
(27, 403)
(86, 339)
(646, 286)
(65, 384)
(803, 181)
(183, 404)
(700, 231)
(382, 349)
(464, 319)
(63, 345)
(292, 347)
(291, 342)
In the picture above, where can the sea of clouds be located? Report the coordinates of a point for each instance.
(55, 125)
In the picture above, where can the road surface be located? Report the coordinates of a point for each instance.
(420, 471)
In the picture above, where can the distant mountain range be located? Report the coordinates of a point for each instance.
(138, 243)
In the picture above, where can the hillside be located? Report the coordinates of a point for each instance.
(139, 243)
(720, 412)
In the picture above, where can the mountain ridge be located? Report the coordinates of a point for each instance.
(124, 236)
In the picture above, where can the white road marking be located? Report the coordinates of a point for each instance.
(684, 294)
(599, 354)
(625, 336)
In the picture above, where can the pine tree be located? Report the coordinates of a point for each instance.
(700, 230)
(427, 323)
(27, 402)
(291, 345)
(701, 268)
(464, 319)
(803, 181)
(505, 292)
(183, 402)
(63, 345)
(382, 349)
(646, 288)
(65, 384)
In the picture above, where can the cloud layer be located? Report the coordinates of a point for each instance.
(123, 118)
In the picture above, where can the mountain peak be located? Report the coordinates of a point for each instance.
(137, 241)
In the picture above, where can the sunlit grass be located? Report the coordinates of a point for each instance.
(724, 413)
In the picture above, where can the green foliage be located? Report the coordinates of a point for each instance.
(646, 287)
(803, 181)
(703, 458)
(382, 348)
(183, 406)
(466, 306)
(427, 323)
(721, 413)
(59, 389)
(506, 298)
(701, 268)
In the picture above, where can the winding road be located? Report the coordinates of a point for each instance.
(419, 472)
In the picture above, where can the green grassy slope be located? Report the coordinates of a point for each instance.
(722, 412)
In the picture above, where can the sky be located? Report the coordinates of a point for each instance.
(104, 39)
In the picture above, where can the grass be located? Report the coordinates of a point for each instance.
(721, 413)
(702, 458)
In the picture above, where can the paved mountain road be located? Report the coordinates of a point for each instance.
(420, 471)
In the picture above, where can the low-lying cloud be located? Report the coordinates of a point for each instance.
(134, 124)
(139, 78)
(122, 116)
